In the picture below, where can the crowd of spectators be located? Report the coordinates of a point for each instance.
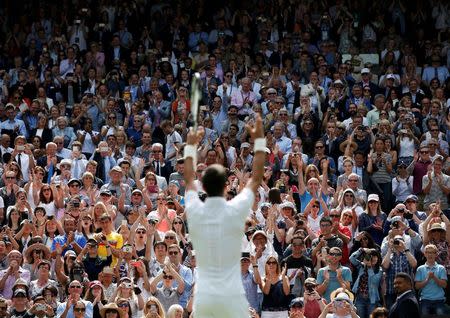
(94, 111)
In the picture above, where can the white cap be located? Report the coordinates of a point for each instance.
(287, 204)
(365, 70)
(390, 76)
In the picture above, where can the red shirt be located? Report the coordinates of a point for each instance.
(420, 169)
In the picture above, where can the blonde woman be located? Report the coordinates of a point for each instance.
(122, 139)
(311, 171)
(89, 188)
(153, 308)
(98, 210)
(275, 287)
(175, 311)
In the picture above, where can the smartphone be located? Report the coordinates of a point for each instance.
(127, 249)
(20, 148)
(104, 149)
(152, 189)
(135, 264)
(77, 21)
(41, 307)
(164, 59)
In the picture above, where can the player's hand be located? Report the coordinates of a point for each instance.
(256, 130)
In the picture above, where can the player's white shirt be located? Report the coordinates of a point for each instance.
(215, 228)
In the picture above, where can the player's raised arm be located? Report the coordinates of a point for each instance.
(257, 133)
(190, 156)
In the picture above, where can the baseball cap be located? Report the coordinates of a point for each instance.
(259, 232)
(297, 302)
(245, 255)
(397, 218)
(287, 204)
(311, 280)
(411, 197)
(390, 76)
(92, 241)
(70, 253)
(365, 71)
(20, 291)
(95, 283)
(373, 197)
(437, 226)
(105, 191)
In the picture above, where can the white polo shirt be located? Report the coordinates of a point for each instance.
(216, 228)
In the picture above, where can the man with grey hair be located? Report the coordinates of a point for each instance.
(50, 160)
(157, 161)
(244, 98)
(284, 143)
(61, 151)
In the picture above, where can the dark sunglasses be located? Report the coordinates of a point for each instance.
(335, 254)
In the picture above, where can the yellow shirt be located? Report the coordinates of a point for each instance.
(115, 240)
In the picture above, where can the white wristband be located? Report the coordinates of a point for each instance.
(190, 151)
(259, 145)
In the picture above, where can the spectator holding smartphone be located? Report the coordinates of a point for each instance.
(314, 304)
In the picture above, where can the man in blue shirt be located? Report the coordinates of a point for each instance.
(334, 275)
(70, 240)
(73, 299)
(431, 281)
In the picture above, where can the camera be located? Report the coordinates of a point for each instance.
(127, 249)
(78, 274)
(300, 222)
(283, 189)
(127, 285)
(76, 204)
(77, 22)
(41, 307)
(395, 225)
(408, 215)
(396, 242)
(309, 288)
